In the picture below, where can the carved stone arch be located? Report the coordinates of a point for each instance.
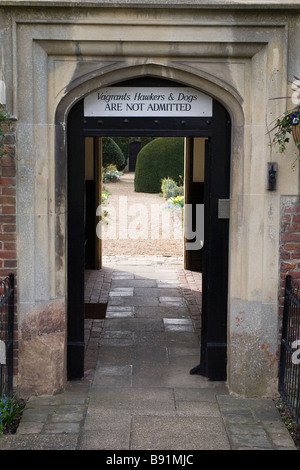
(230, 99)
(231, 102)
(86, 85)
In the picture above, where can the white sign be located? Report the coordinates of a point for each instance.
(147, 102)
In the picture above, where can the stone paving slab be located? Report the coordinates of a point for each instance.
(254, 424)
(179, 433)
(132, 400)
(134, 324)
(137, 393)
(39, 442)
(162, 312)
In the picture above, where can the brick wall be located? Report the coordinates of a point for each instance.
(289, 242)
(8, 249)
(8, 234)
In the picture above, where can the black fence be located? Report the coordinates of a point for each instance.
(289, 370)
(6, 334)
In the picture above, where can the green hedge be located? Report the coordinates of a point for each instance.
(161, 158)
(112, 154)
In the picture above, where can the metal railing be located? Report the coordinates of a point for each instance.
(289, 368)
(6, 334)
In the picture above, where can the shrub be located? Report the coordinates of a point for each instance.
(112, 154)
(161, 158)
(110, 173)
(170, 188)
(123, 144)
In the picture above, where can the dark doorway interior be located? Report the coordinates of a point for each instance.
(134, 148)
(213, 192)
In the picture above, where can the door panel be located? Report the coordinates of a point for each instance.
(75, 243)
(194, 195)
(213, 358)
(93, 185)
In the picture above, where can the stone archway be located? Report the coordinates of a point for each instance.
(53, 61)
(79, 335)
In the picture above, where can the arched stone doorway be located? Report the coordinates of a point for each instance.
(213, 193)
(58, 61)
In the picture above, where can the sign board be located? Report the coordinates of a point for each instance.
(147, 102)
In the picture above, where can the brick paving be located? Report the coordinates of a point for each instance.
(191, 284)
(98, 285)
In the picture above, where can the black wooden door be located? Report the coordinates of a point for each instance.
(134, 148)
(75, 243)
(213, 357)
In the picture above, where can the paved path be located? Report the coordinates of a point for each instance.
(137, 393)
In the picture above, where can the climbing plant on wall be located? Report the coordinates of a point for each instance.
(4, 125)
(288, 124)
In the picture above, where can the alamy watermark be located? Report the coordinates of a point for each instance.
(296, 92)
(140, 221)
(296, 354)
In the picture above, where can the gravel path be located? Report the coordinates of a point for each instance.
(139, 224)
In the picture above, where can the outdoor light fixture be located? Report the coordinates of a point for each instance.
(272, 176)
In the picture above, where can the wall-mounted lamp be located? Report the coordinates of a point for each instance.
(272, 176)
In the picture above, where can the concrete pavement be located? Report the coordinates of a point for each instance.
(137, 393)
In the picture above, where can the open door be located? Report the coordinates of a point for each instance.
(75, 243)
(212, 260)
(194, 162)
(83, 247)
(93, 186)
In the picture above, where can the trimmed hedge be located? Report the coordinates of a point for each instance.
(161, 158)
(112, 154)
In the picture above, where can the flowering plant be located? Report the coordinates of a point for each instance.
(104, 202)
(176, 202)
(284, 126)
(110, 173)
(104, 196)
(10, 409)
(170, 188)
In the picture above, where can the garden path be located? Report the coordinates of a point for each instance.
(139, 223)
